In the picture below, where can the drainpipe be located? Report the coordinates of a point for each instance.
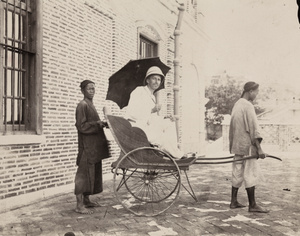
(176, 63)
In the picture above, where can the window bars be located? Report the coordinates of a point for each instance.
(147, 48)
(15, 62)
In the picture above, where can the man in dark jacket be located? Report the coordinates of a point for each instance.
(92, 148)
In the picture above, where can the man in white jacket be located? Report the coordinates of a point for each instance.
(244, 140)
(142, 111)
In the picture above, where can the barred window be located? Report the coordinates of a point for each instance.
(17, 66)
(147, 48)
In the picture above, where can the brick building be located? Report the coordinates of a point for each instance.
(47, 47)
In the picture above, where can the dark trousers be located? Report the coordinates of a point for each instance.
(88, 179)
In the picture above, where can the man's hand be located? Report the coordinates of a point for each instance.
(156, 108)
(261, 155)
(102, 124)
(260, 152)
(172, 118)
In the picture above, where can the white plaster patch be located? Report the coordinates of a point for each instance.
(284, 222)
(9, 217)
(175, 215)
(220, 202)
(215, 192)
(118, 207)
(239, 217)
(236, 226)
(130, 202)
(195, 177)
(267, 203)
(225, 224)
(169, 200)
(162, 230)
(206, 210)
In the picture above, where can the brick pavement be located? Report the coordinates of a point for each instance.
(210, 216)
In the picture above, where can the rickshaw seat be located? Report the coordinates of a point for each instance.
(130, 138)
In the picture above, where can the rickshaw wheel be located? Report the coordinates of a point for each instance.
(148, 190)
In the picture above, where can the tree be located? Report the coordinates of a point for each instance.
(222, 98)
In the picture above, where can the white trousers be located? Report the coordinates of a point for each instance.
(162, 132)
(247, 172)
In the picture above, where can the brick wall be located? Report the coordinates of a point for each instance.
(82, 39)
(85, 44)
(77, 45)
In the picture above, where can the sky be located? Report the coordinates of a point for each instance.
(257, 39)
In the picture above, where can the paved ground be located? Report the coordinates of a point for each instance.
(210, 216)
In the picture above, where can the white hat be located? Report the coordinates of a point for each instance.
(154, 70)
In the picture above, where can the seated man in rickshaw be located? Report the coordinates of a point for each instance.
(142, 111)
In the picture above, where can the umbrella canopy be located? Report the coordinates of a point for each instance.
(124, 81)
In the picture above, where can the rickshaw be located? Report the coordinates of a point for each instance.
(147, 180)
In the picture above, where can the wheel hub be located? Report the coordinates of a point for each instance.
(149, 176)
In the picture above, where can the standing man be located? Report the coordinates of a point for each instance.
(92, 148)
(244, 140)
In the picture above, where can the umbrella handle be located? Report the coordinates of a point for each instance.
(106, 110)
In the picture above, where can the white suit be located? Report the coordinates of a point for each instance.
(161, 132)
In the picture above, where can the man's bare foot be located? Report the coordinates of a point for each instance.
(88, 203)
(258, 209)
(83, 210)
(235, 205)
(91, 204)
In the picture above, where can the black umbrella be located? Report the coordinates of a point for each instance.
(298, 3)
(124, 81)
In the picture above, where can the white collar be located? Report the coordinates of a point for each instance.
(150, 94)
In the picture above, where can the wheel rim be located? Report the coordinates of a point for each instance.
(146, 191)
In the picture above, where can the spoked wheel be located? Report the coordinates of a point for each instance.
(148, 189)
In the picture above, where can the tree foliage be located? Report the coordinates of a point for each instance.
(222, 98)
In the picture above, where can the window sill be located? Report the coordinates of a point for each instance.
(22, 139)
